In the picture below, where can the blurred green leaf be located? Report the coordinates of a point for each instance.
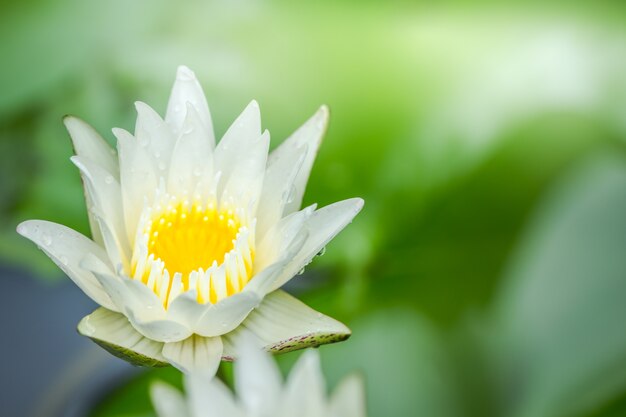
(562, 310)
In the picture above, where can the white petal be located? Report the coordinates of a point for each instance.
(205, 394)
(304, 141)
(348, 399)
(245, 130)
(141, 305)
(212, 319)
(195, 354)
(187, 89)
(245, 183)
(154, 135)
(323, 226)
(66, 248)
(138, 179)
(281, 323)
(192, 158)
(258, 382)
(89, 144)
(278, 188)
(280, 238)
(168, 401)
(113, 331)
(305, 393)
(263, 282)
(106, 195)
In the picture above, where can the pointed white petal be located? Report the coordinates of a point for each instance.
(205, 394)
(187, 89)
(278, 189)
(195, 354)
(154, 135)
(106, 194)
(264, 281)
(66, 248)
(281, 323)
(258, 382)
(138, 179)
(280, 238)
(89, 144)
(348, 399)
(192, 158)
(245, 183)
(304, 141)
(212, 319)
(168, 401)
(114, 333)
(141, 305)
(323, 226)
(245, 130)
(305, 393)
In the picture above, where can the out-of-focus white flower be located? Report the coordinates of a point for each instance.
(261, 392)
(192, 241)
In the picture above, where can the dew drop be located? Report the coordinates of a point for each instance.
(321, 252)
(64, 260)
(300, 272)
(143, 142)
(157, 154)
(108, 179)
(188, 130)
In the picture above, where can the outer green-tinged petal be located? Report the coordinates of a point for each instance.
(323, 226)
(195, 354)
(113, 332)
(67, 248)
(187, 89)
(307, 140)
(168, 401)
(258, 382)
(305, 394)
(281, 323)
(348, 399)
(210, 398)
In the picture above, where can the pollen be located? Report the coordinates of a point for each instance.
(194, 247)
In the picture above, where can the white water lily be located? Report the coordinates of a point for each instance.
(192, 241)
(261, 392)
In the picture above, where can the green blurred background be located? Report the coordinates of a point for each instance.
(486, 275)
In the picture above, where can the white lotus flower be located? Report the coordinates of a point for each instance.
(192, 241)
(261, 393)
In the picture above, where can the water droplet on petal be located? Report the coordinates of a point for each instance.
(157, 154)
(162, 166)
(300, 272)
(108, 179)
(188, 130)
(63, 260)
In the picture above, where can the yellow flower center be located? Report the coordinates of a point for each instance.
(194, 247)
(186, 240)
